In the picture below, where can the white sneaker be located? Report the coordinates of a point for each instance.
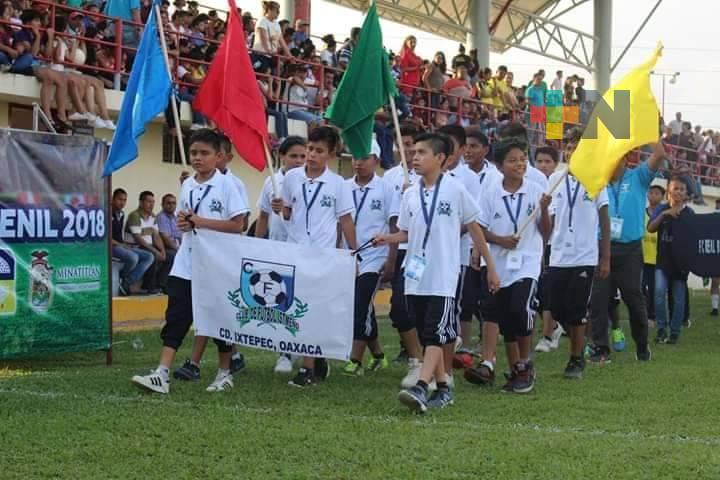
(556, 334)
(283, 365)
(197, 126)
(223, 381)
(76, 117)
(154, 382)
(411, 379)
(90, 116)
(109, 124)
(99, 123)
(544, 345)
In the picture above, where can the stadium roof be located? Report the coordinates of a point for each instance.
(449, 18)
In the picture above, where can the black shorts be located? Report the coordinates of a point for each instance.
(434, 318)
(468, 294)
(398, 303)
(513, 308)
(570, 308)
(365, 325)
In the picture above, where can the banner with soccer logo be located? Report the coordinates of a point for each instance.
(274, 296)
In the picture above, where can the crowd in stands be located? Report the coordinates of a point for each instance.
(70, 47)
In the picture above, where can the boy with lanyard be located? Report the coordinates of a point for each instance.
(577, 220)
(190, 370)
(432, 214)
(465, 305)
(208, 200)
(669, 277)
(546, 160)
(655, 197)
(314, 201)
(518, 257)
(375, 204)
(399, 317)
(292, 155)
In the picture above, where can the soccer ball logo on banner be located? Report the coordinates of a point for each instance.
(267, 295)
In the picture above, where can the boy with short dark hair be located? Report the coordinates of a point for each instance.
(432, 214)
(656, 194)
(208, 200)
(518, 258)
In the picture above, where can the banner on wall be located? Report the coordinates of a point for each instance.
(54, 279)
(274, 296)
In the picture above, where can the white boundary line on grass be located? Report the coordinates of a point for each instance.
(385, 419)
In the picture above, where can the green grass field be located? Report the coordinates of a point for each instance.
(72, 417)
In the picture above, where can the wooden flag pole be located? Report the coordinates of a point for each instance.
(173, 104)
(269, 160)
(396, 121)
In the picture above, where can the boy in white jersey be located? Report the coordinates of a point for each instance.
(375, 204)
(269, 224)
(432, 215)
(518, 258)
(314, 201)
(411, 350)
(576, 252)
(208, 200)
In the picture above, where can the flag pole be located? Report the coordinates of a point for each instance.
(173, 104)
(403, 160)
(269, 160)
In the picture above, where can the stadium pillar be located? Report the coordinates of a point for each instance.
(479, 35)
(603, 50)
(287, 11)
(302, 10)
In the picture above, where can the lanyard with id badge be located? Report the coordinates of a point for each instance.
(415, 267)
(514, 257)
(359, 206)
(568, 243)
(196, 207)
(308, 205)
(616, 223)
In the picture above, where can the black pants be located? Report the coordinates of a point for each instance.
(626, 265)
(157, 275)
(179, 315)
(398, 303)
(648, 287)
(365, 325)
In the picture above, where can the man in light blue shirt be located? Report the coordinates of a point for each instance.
(627, 193)
(128, 10)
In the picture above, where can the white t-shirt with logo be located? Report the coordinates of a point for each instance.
(218, 198)
(469, 179)
(576, 244)
(533, 175)
(454, 208)
(498, 208)
(317, 205)
(374, 206)
(396, 179)
(239, 184)
(276, 225)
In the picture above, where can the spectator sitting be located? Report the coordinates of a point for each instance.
(177, 26)
(7, 53)
(167, 225)
(249, 25)
(135, 261)
(297, 96)
(328, 56)
(141, 231)
(198, 27)
(325, 95)
(270, 88)
(458, 87)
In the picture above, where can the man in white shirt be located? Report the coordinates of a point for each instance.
(207, 200)
(432, 214)
(577, 220)
(518, 255)
(557, 83)
(676, 125)
(375, 205)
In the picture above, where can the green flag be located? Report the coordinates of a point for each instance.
(364, 88)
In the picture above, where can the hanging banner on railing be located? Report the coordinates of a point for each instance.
(53, 244)
(274, 296)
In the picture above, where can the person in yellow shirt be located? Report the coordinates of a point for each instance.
(655, 197)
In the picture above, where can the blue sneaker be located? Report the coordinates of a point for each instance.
(414, 398)
(618, 340)
(441, 399)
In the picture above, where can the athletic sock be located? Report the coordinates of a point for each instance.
(715, 301)
(422, 384)
(163, 371)
(236, 356)
(224, 372)
(489, 363)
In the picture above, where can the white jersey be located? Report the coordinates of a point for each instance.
(374, 206)
(502, 213)
(449, 207)
(469, 179)
(316, 206)
(577, 225)
(218, 198)
(276, 225)
(239, 184)
(396, 179)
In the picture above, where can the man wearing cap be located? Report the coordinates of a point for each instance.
(302, 31)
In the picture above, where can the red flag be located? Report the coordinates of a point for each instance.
(231, 98)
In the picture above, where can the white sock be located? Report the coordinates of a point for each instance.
(715, 300)
(224, 372)
(236, 355)
(490, 364)
(163, 371)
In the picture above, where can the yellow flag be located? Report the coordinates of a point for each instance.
(603, 147)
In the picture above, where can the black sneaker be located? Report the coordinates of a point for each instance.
(303, 378)
(482, 374)
(188, 371)
(322, 369)
(600, 355)
(575, 368)
(415, 398)
(508, 387)
(643, 355)
(674, 339)
(402, 357)
(714, 312)
(523, 379)
(661, 336)
(237, 363)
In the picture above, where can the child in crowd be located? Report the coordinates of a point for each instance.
(655, 197)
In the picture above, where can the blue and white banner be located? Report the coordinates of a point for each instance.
(274, 296)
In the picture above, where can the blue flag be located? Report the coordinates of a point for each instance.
(146, 96)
